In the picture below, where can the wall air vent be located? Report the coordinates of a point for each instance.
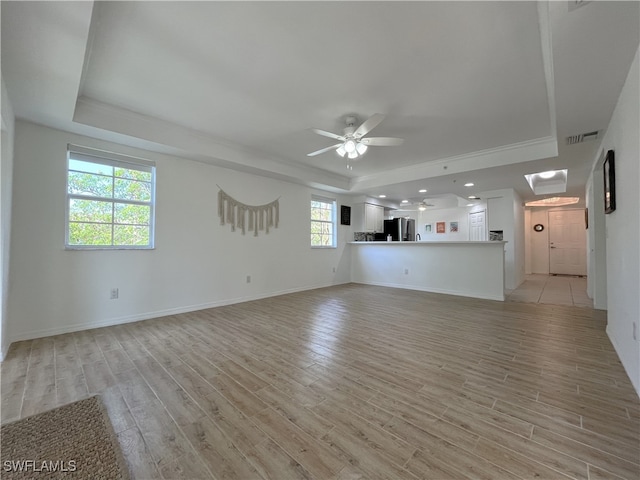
(583, 137)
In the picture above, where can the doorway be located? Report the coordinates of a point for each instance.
(567, 243)
(477, 226)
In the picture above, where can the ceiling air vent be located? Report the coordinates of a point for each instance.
(573, 4)
(583, 137)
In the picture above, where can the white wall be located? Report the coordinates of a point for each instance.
(447, 215)
(6, 179)
(518, 240)
(197, 263)
(431, 267)
(623, 226)
(505, 212)
(596, 238)
(538, 242)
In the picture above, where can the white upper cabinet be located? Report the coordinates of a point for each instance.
(373, 218)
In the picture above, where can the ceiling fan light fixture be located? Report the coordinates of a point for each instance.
(353, 139)
(353, 154)
(422, 207)
(350, 146)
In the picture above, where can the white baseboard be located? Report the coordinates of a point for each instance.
(30, 335)
(459, 293)
(634, 381)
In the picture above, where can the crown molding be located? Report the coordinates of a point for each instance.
(495, 157)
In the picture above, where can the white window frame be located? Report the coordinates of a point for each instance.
(102, 157)
(333, 222)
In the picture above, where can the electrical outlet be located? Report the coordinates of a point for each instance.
(114, 294)
(406, 271)
(248, 278)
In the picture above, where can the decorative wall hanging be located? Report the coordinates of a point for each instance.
(235, 213)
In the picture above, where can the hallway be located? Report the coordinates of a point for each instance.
(553, 290)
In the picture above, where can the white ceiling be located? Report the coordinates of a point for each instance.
(480, 91)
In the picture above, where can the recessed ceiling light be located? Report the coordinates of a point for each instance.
(469, 204)
(545, 183)
(473, 197)
(405, 201)
(382, 196)
(468, 184)
(422, 190)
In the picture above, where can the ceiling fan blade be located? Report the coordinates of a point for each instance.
(382, 141)
(369, 124)
(328, 134)
(318, 152)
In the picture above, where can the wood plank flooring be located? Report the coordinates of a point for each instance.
(349, 382)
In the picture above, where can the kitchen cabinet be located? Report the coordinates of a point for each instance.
(373, 218)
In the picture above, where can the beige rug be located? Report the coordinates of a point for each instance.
(73, 441)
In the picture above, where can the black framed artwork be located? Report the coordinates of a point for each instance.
(345, 215)
(609, 182)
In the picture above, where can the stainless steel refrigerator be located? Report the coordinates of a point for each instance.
(400, 229)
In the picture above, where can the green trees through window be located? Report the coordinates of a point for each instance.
(110, 203)
(323, 222)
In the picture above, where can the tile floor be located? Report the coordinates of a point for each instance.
(553, 290)
(348, 382)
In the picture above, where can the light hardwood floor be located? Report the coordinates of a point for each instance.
(349, 382)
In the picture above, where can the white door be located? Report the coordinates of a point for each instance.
(567, 243)
(477, 226)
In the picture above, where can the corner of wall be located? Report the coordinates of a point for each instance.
(4, 349)
(6, 189)
(621, 228)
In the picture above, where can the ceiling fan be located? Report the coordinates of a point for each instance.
(353, 142)
(422, 205)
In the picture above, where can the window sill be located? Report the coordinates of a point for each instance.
(89, 247)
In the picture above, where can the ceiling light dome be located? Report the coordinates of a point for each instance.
(350, 146)
(548, 174)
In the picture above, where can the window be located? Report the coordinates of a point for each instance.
(110, 200)
(323, 222)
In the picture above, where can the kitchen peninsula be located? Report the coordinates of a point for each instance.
(466, 268)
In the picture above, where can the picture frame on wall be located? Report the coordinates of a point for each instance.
(609, 171)
(453, 227)
(427, 228)
(345, 215)
(586, 218)
(440, 227)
